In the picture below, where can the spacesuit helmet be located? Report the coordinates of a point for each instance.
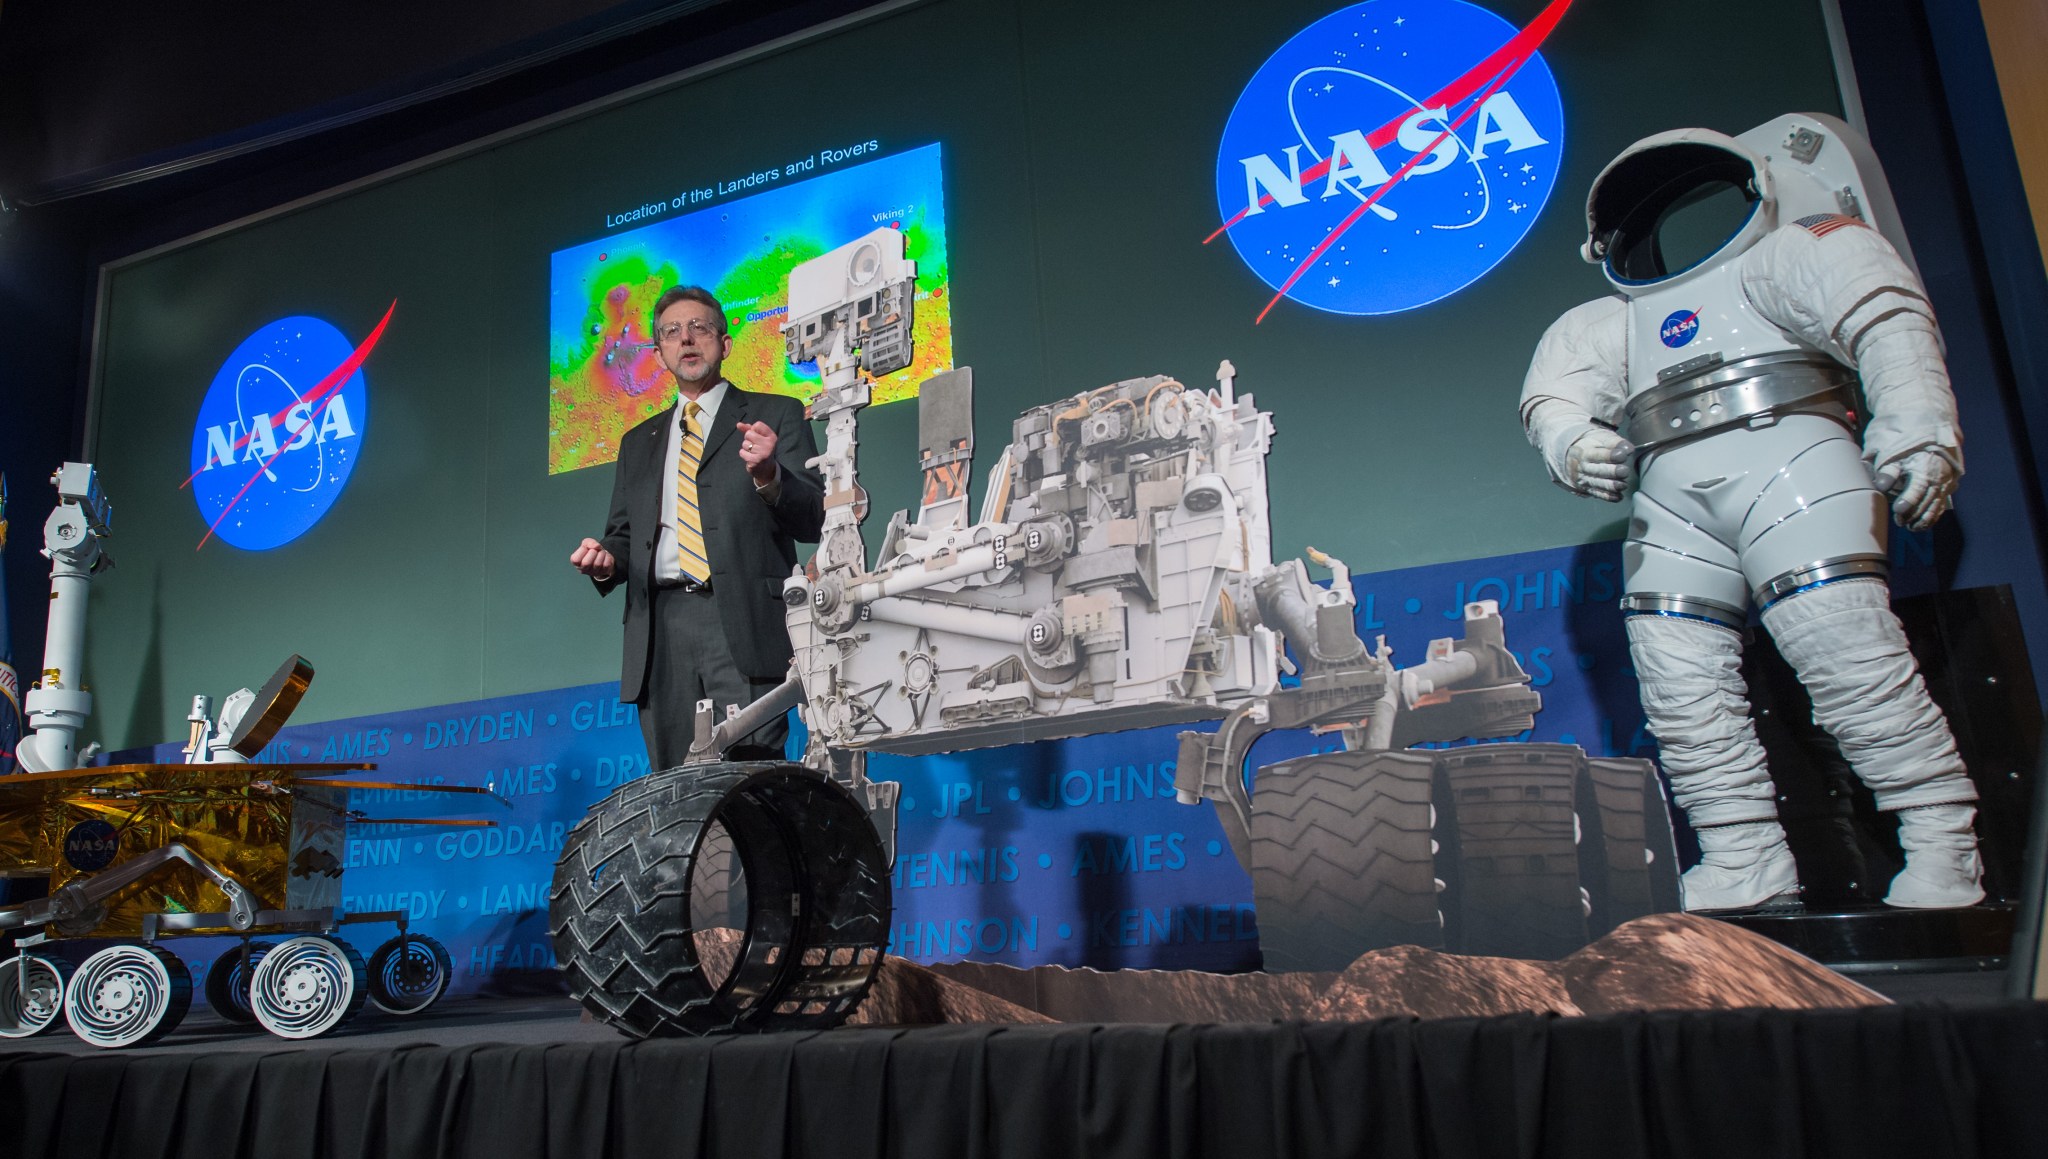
(1673, 202)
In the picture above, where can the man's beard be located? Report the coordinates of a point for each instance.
(705, 373)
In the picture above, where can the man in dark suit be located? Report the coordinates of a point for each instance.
(709, 500)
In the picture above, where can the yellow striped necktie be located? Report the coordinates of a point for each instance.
(689, 524)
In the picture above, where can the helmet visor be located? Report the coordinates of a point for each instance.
(1661, 212)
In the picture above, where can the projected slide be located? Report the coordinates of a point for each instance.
(604, 376)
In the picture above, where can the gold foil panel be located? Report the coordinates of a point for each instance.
(238, 817)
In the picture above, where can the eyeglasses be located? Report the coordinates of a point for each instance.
(668, 333)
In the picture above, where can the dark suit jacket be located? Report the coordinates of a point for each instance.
(752, 544)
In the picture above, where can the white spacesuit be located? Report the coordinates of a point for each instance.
(1756, 289)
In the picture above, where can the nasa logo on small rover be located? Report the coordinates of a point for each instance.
(90, 846)
(1391, 154)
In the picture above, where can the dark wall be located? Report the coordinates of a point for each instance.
(43, 328)
(1937, 121)
(94, 93)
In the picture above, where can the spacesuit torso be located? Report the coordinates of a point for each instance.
(1751, 479)
(1731, 375)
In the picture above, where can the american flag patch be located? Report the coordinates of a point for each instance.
(1823, 224)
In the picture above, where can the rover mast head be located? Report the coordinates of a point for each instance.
(859, 298)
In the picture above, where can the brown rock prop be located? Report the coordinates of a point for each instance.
(1086, 995)
(1411, 982)
(1685, 962)
(907, 994)
(1661, 962)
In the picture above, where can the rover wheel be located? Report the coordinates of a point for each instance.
(622, 911)
(718, 889)
(307, 986)
(1626, 854)
(1342, 859)
(227, 981)
(127, 995)
(1515, 882)
(408, 974)
(31, 994)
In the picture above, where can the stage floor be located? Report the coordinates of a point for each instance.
(1955, 1076)
(543, 1019)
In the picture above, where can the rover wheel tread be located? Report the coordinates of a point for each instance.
(1518, 885)
(227, 981)
(31, 994)
(1341, 858)
(621, 911)
(408, 974)
(1618, 827)
(127, 995)
(308, 986)
(717, 888)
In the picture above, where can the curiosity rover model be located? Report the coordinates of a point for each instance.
(1118, 575)
(227, 843)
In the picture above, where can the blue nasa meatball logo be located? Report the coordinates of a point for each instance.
(90, 845)
(1680, 328)
(1391, 154)
(280, 431)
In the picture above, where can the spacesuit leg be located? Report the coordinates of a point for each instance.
(1813, 544)
(1685, 605)
(1851, 654)
(1690, 674)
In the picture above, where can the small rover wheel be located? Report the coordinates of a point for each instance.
(227, 981)
(408, 974)
(127, 995)
(31, 994)
(307, 986)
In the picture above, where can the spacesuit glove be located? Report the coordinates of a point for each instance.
(1599, 463)
(1920, 486)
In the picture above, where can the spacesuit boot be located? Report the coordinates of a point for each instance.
(1690, 672)
(1851, 655)
(1742, 866)
(1942, 868)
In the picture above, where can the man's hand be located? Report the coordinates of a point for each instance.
(593, 560)
(757, 451)
(1599, 464)
(1920, 486)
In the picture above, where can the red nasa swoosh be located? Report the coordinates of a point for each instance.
(324, 392)
(1492, 73)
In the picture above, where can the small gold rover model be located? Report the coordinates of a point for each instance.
(222, 845)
